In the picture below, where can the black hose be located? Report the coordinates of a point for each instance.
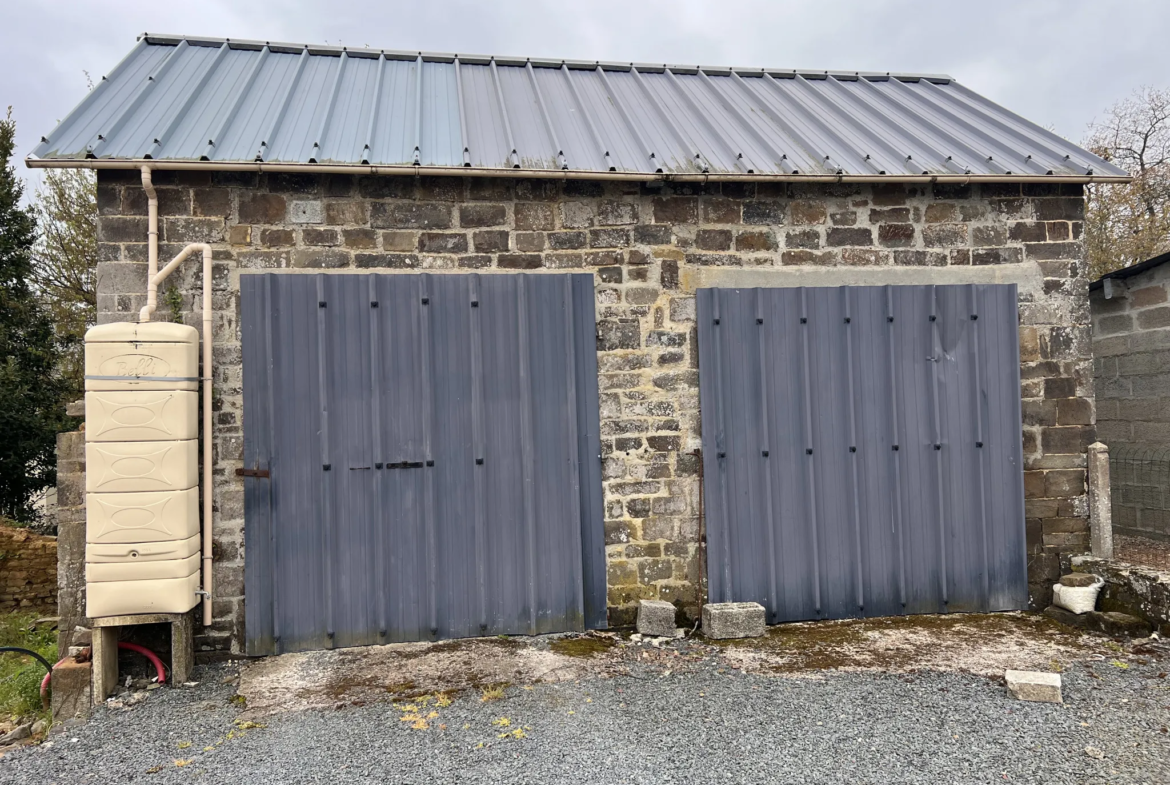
(42, 660)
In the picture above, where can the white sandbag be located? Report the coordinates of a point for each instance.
(1078, 599)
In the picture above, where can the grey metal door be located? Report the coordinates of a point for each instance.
(421, 458)
(861, 449)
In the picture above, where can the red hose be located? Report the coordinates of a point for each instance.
(148, 654)
(145, 652)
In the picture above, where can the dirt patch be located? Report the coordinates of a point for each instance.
(986, 644)
(329, 679)
(582, 645)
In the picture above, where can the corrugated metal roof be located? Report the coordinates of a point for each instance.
(232, 102)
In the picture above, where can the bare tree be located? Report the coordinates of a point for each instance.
(66, 260)
(1129, 223)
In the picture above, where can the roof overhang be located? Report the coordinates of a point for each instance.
(552, 174)
(1131, 271)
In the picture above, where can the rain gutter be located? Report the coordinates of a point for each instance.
(557, 174)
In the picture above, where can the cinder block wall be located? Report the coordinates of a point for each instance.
(1131, 346)
(649, 248)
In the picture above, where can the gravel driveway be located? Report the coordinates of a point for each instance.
(703, 722)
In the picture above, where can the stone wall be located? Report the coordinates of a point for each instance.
(28, 571)
(649, 248)
(70, 532)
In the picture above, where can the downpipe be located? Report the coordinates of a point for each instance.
(156, 277)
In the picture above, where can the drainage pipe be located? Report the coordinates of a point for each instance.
(144, 316)
(156, 277)
(152, 237)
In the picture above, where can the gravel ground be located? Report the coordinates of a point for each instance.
(707, 724)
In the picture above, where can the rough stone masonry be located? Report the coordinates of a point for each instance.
(648, 248)
(28, 571)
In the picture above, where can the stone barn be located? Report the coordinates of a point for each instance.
(505, 345)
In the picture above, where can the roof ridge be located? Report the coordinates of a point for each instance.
(166, 39)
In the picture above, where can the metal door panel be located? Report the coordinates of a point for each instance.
(432, 444)
(862, 450)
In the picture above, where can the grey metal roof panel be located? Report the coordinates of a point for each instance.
(192, 99)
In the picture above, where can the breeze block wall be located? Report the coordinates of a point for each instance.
(1131, 344)
(648, 248)
(1131, 349)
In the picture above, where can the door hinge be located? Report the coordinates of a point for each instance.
(252, 473)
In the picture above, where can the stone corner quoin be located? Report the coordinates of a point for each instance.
(646, 247)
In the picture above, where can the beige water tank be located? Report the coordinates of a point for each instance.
(142, 459)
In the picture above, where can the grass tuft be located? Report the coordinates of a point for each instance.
(21, 675)
(492, 693)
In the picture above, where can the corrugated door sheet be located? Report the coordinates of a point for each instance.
(862, 449)
(431, 445)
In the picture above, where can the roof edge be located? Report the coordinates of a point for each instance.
(166, 39)
(1132, 270)
(551, 174)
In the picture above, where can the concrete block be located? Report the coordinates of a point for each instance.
(105, 664)
(71, 691)
(1034, 686)
(656, 617)
(722, 620)
(182, 648)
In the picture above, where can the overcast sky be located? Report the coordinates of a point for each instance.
(1059, 63)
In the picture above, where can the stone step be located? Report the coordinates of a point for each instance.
(1108, 622)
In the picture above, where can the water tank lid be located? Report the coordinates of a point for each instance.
(146, 332)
